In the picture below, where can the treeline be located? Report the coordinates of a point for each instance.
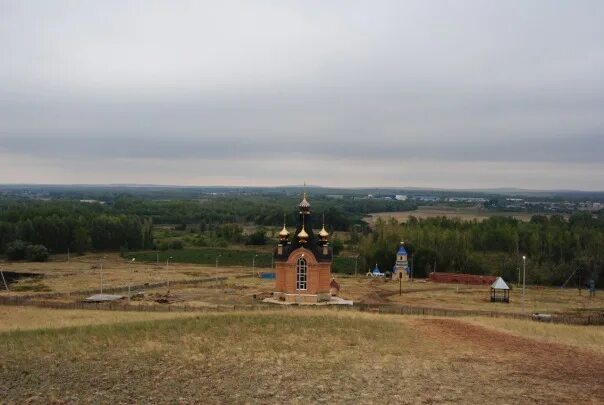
(127, 221)
(63, 226)
(211, 212)
(556, 248)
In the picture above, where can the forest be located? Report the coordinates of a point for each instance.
(127, 221)
(556, 248)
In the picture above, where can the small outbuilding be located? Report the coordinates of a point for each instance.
(377, 272)
(500, 292)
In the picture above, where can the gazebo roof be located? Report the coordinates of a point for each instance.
(499, 284)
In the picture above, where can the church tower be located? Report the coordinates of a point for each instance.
(402, 264)
(303, 262)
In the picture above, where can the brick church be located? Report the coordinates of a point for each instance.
(303, 262)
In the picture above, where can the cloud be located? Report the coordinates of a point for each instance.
(340, 84)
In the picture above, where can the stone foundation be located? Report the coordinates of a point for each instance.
(300, 298)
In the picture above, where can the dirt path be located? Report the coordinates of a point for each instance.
(569, 374)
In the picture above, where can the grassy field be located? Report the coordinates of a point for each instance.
(466, 214)
(451, 296)
(208, 256)
(229, 257)
(299, 356)
(27, 318)
(83, 273)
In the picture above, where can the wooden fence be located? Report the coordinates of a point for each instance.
(259, 306)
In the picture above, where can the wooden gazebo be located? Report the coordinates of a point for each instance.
(500, 292)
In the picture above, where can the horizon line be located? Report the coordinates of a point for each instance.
(410, 188)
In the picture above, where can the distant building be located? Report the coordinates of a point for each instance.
(468, 199)
(303, 264)
(400, 197)
(92, 202)
(402, 264)
(426, 198)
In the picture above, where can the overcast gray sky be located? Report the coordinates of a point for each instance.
(454, 94)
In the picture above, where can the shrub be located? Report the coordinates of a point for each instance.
(36, 253)
(19, 250)
(257, 238)
(200, 241)
(16, 250)
(337, 245)
(177, 244)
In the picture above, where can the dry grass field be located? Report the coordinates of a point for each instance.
(27, 318)
(422, 293)
(466, 214)
(303, 356)
(84, 273)
(79, 275)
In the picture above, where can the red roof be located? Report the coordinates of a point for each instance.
(462, 278)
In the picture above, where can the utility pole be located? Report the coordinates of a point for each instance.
(254, 266)
(102, 261)
(356, 265)
(130, 278)
(400, 283)
(523, 282)
(216, 271)
(168, 270)
(68, 255)
(411, 269)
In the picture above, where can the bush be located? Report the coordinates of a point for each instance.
(36, 253)
(257, 238)
(200, 241)
(20, 250)
(16, 250)
(177, 244)
(337, 245)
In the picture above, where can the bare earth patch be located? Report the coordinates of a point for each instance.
(547, 371)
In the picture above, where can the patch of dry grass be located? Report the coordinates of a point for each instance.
(293, 356)
(84, 273)
(79, 275)
(469, 297)
(463, 213)
(27, 318)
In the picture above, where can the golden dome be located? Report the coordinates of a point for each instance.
(284, 232)
(302, 234)
(323, 233)
(304, 203)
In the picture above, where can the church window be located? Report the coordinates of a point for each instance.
(301, 274)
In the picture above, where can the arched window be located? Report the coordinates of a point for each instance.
(301, 274)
